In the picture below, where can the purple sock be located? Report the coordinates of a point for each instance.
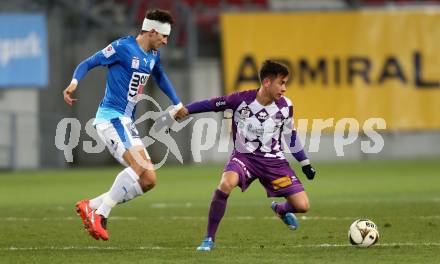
(285, 207)
(216, 212)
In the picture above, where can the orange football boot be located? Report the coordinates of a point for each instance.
(97, 226)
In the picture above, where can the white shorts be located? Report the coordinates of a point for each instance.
(119, 135)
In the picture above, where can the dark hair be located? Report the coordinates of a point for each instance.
(272, 69)
(160, 15)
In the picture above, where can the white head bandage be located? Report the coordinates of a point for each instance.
(162, 28)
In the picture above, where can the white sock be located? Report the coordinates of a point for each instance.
(97, 201)
(133, 192)
(125, 188)
(106, 206)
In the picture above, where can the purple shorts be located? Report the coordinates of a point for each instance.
(275, 175)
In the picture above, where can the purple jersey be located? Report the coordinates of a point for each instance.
(256, 128)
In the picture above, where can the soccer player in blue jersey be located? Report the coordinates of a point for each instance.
(130, 62)
(262, 120)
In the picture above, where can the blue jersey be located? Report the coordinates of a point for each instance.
(129, 68)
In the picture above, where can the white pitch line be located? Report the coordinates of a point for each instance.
(171, 205)
(337, 201)
(384, 201)
(134, 218)
(66, 248)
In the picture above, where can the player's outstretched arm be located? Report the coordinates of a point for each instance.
(216, 104)
(179, 112)
(79, 73)
(202, 106)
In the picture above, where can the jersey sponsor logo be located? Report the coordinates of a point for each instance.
(256, 130)
(281, 182)
(135, 63)
(136, 86)
(108, 51)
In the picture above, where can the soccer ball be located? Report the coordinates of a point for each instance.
(363, 233)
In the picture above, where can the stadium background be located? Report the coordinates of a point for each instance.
(394, 88)
(390, 48)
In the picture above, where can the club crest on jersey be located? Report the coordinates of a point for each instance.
(262, 116)
(245, 112)
(135, 63)
(108, 51)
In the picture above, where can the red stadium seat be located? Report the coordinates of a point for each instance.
(192, 3)
(211, 3)
(236, 2)
(262, 3)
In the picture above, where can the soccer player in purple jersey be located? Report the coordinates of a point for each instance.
(262, 120)
(130, 61)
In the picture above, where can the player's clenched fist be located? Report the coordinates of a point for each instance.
(309, 171)
(181, 114)
(67, 93)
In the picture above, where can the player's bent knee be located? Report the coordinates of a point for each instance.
(226, 187)
(299, 201)
(138, 160)
(228, 182)
(302, 207)
(147, 186)
(147, 180)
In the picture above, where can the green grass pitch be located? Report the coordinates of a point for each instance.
(38, 223)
